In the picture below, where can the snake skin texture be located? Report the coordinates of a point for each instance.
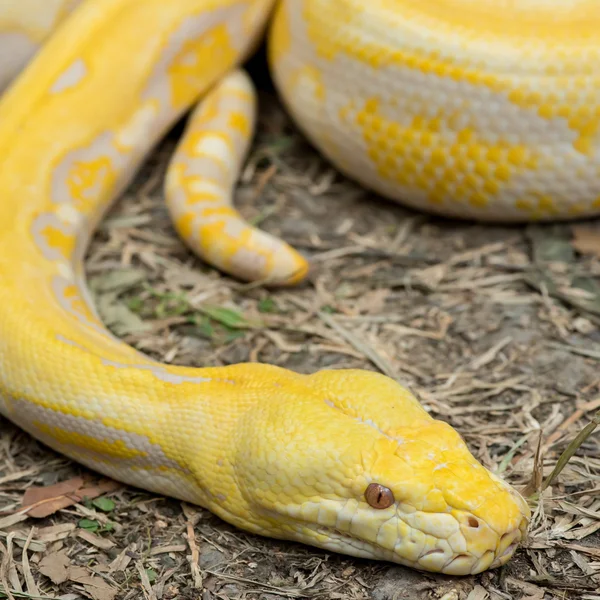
(486, 110)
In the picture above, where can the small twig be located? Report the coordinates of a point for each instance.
(192, 519)
(575, 350)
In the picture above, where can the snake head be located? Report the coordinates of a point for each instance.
(350, 461)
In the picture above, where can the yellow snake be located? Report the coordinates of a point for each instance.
(482, 109)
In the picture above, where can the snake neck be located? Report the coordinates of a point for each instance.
(74, 128)
(164, 428)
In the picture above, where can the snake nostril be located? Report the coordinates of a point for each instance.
(473, 522)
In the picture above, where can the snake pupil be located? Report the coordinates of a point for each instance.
(379, 496)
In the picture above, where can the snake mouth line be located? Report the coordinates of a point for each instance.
(369, 549)
(324, 530)
(500, 559)
(362, 547)
(372, 549)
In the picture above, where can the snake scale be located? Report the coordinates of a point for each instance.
(485, 109)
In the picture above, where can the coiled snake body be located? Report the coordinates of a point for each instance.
(476, 109)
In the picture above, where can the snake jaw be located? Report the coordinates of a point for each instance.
(454, 542)
(473, 547)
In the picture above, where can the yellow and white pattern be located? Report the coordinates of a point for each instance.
(484, 109)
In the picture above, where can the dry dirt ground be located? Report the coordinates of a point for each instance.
(496, 329)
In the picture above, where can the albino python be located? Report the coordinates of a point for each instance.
(485, 109)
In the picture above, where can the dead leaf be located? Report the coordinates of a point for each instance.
(97, 587)
(478, 593)
(586, 240)
(80, 574)
(47, 500)
(37, 494)
(95, 540)
(55, 566)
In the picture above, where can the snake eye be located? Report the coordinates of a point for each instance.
(378, 496)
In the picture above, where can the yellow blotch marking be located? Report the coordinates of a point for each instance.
(184, 225)
(537, 206)
(534, 25)
(584, 145)
(240, 122)
(221, 247)
(582, 119)
(87, 180)
(588, 126)
(198, 63)
(71, 292)
(113, 449)
(546, 204)
(59, 240)
(418, 155)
